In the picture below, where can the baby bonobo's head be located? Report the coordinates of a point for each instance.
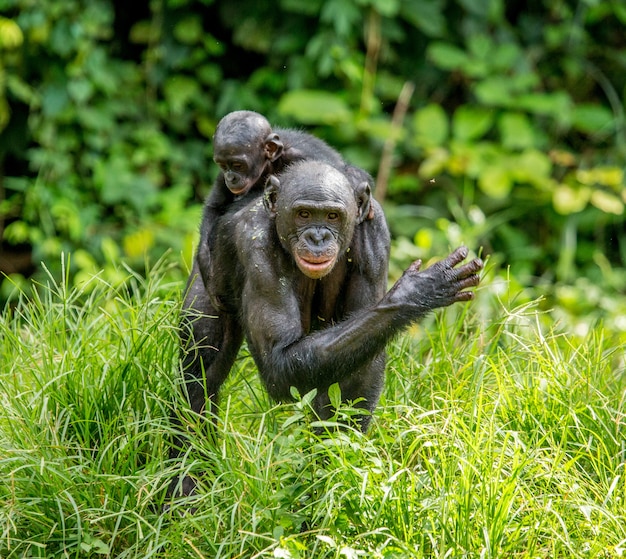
(244, 147)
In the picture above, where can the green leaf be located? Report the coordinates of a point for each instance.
(54, 99)
(496, 182)
(605, 175)
(505, 56)
(431, 126)
(425, 15)
(342, 14)
(447, 56)
(592, 118)
(189, 30)
(494, 91)
(179, 91)
(568, 200)
(557, 105)
(310, 106)
(477, 7)
(481, 45)
(387, 8)
(334, 395)
(532, 166)
(471, 123)
(434, 164)
(80, 90)
(516, 131)
(607, 202)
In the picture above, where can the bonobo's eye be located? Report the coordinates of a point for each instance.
(332, 216)
(237, 166)
(304, 214)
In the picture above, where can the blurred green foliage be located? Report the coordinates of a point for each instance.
(513, 139)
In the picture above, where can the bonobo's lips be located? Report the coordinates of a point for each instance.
(238, 191)
(315, 267)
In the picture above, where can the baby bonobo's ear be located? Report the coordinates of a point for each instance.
(270, 194)
(273, 147)
(363, 194)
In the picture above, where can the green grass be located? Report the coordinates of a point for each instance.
(497, 436)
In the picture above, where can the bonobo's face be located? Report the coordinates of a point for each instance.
(315, 213)
(242, 166)
(240, 148)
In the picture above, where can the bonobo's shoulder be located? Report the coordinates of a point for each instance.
(249, 224)
(302, 145)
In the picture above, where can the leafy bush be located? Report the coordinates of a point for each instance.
(487, 122)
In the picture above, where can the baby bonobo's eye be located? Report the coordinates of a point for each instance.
(237, 166)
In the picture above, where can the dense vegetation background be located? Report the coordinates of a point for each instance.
(498, 124)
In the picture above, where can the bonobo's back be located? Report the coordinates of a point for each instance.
(301, 145)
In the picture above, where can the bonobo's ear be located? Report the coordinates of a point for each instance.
(273, 147)
(363, 194)
(270, 194)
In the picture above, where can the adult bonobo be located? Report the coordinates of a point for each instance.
(306, 286)
(248, 150)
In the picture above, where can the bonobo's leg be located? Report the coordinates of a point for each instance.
(210, 341)
(363, 387)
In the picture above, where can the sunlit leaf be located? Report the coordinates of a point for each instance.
(516, 131)
(567, 199)
(314, 107)
(607, 202)
(431, 126)
(179, 91)
(189, 30)
(471, 123)
(434, 164)
(138, 243)
(496, 182)
(557, 105)
(447, 56)
(334, 395)
(531, 166)
(607, 176)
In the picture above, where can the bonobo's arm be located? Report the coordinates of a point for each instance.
(214, 206)
(287, 357)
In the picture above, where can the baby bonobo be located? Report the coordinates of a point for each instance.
(247, 151)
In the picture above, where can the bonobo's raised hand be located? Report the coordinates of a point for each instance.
(438, 286)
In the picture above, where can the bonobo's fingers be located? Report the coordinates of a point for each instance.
(457, 256)
(463, 296)
(468, 277)
(469, 281)
(470, 268)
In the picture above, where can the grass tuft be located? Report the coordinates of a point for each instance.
(497, 436)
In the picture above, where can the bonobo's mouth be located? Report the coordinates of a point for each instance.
(238, 191)
(315, 267)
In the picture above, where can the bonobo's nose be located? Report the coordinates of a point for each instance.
(317, 236)
(232, 178)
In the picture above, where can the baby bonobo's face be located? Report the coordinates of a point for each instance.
(240, 171)
(239, 150)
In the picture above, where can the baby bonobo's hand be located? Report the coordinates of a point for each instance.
(440, 285)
